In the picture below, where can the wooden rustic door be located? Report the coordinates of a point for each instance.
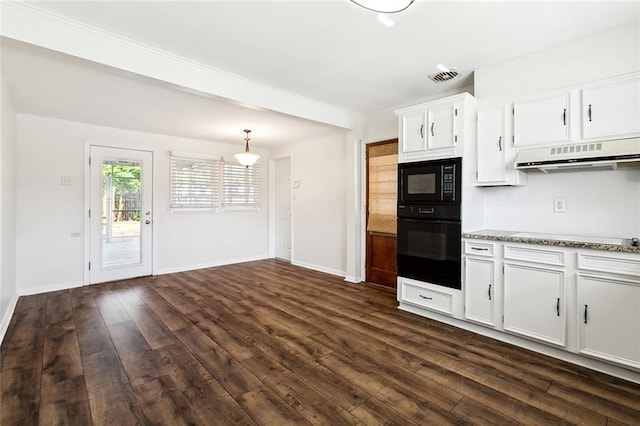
(382, 188)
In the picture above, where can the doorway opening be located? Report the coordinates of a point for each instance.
(381, 205)
(282, 196)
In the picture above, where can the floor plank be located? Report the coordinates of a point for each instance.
(269, 343)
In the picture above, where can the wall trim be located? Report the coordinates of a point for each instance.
(318, 268)
(49, 288)
(4, 325)
(353, 279)
(210, 265)
(570, 357)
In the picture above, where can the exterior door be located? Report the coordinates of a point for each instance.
(382, 199)
(120, 217)
(283, 209)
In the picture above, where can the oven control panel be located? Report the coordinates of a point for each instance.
(430, 211)
(448, 182)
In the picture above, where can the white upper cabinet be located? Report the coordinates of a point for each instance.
(611, 109)
(437, 129)
(496, 153)
(542, 120)
(441, 127)
(412, 126)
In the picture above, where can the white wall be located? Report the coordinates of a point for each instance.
(319, 203)
(49, 258)
(8, 142)
(603, 203)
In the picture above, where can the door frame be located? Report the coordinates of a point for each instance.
(272, 206)
(87, 204)
(363, 199)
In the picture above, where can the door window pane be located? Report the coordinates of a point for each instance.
(121, 226)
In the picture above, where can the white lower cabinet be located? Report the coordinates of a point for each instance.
(608, 290)
(609, 318)
(480, 279)
(534, 302)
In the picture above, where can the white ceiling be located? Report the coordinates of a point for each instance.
(331, 51)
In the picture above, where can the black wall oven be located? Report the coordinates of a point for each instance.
(429, 227)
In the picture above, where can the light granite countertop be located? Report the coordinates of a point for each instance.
(575, 241)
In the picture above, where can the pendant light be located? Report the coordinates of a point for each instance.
(384, 6)
(246, 158)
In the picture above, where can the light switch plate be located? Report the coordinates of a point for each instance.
(65, 180)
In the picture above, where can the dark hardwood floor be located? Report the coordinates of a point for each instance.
(268, 343)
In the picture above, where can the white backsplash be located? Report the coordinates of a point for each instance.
(598, 203)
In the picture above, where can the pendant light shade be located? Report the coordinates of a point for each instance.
(247, 158)
(384, 6)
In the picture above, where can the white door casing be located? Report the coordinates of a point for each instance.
(283, 209)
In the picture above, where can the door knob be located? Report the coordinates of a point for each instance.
(147, 221)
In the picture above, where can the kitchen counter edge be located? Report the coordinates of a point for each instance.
(506, 237)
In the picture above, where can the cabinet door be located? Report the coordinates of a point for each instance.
(534, 304)
(609, 319)
(491, 145)
(611, 110)
(441, 127)
(542, 120)
(480, 290)
(413, 132)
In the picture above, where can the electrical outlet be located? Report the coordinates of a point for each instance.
(75, 235)
(559, 205)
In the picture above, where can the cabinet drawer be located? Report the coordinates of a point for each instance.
(427, 298)
(478, 249)
(537, 255)
(624, 264)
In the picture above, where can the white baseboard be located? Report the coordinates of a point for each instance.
(210, 265)
(318, 268)
(6, 319)
(573, 358)
(49, 288)
(352, 279)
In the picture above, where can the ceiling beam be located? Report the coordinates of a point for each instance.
(27, 23)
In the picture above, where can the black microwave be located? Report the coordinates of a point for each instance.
(432, 181)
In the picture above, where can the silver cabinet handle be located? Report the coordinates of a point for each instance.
(425, 297)
(422, 131)
(500, 143)
(489, 292)
(558, 307)
(432, 123)
(589, 112)
(564, 117)
(480, 248)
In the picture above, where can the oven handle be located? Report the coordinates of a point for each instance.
(426, 220)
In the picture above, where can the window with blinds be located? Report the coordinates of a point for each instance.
(195, 182)
(240, 185)
(206, 182)
(382, 163)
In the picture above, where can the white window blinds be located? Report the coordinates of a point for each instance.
(241, 185)
(205, 182)
(195, 182)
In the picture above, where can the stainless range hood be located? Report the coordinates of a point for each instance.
(581, 156)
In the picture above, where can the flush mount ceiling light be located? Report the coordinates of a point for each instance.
(246, 158)
(384, 6)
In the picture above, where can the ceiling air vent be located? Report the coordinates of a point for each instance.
(442, 76)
